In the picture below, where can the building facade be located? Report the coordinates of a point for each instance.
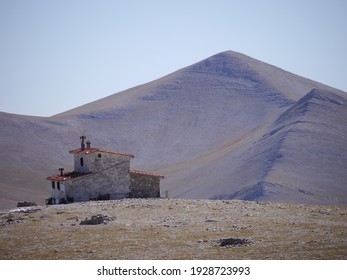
(101, 174)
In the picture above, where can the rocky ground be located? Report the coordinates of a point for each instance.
(174, 229)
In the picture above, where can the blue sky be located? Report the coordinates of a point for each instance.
(57, 55)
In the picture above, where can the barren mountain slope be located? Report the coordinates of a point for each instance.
(306, 153)
(31, 148)
(204, 127)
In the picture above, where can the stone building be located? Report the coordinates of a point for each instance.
(101, 174)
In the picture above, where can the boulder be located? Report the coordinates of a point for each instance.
(95, 220)
(234, 242)
(26, 204)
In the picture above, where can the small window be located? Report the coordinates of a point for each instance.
(53, 185)
(58, 186)
(99, 155)
(81, 161)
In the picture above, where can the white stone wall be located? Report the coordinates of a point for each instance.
(58, 193)
(93, 163)
(110, 176)
(88, 162)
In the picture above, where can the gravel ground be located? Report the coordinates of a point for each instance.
(174, 229)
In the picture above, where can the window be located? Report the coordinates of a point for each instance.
(53, 185)
(58, 186)
(81, 161)
(99, 155)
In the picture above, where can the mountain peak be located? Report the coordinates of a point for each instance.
(229, 124)
(228, 63)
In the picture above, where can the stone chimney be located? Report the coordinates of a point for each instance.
(88, 144)
(83, 146)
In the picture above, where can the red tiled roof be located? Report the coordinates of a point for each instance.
(66, 176)
(95, 150)
(146, 173)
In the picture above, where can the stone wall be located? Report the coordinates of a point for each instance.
(144, 185)
(98, 161)
(113, 181)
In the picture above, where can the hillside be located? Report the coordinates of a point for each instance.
(227, 127)
(174, 229)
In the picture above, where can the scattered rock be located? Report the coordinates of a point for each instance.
(26, 204)
(96, 220)
(208, 241)
(73, 218)
(9, 220)
(323, 212)
(210, 221)
(235, 242)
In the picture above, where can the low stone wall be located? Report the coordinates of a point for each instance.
(26, 204)
(144, 186)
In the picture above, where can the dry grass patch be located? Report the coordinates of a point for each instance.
(175, 229)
